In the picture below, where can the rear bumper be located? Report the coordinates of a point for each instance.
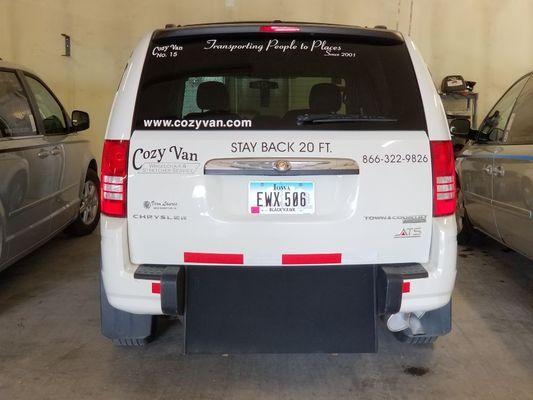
(388, 282)
(124, 292)
(436, 290)
(140, 296)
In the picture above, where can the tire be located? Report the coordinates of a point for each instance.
(124, 328)
(465, 230)
(404, 337)
(130, 342)
(89, 213)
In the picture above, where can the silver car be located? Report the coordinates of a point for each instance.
(495, 171)
(48, 176)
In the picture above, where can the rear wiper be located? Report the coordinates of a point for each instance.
(337, 118)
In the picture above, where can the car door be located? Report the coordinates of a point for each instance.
(513, 176)
(65, 178)
(477, 163)
(25, 188)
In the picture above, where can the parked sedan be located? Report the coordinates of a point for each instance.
(48, 176)
(495, 171)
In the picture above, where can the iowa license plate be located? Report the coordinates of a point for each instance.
(283, 198)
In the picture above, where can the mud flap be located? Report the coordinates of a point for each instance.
(307, 309)
(121, 327)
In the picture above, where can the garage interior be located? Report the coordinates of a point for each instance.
(50, 341)
(52, 347)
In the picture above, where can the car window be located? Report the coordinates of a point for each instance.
(49, 109)
(16, 118)
(245, 92)
(521, 120)
(279, 83)
(492, 128)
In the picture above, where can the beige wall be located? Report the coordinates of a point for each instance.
(489, 41)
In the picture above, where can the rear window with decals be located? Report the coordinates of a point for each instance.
(264, 82)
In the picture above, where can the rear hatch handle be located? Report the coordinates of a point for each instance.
(268, 166)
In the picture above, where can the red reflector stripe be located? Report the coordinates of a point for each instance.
(292, 259)
(213, 258)
(406, 287)
(156, 287)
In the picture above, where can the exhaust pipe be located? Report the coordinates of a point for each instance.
(401, 321)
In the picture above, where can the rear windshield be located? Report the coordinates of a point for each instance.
(265, 82)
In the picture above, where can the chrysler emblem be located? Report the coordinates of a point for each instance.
(282, 165)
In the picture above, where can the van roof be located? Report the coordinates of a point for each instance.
(373, 34)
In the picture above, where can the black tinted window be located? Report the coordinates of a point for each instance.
(493, 126)
(276, 82)
(16, 118)
(521, 128)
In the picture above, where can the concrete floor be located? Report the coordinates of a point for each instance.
(51, 348)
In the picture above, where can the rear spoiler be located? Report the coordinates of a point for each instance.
(368, 35)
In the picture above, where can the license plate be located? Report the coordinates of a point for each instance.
(284, 198)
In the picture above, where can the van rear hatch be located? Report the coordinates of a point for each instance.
(278, 146)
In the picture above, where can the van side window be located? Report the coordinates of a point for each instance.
(16, 118)
(521, 125)
(50, 110)
(493, 126)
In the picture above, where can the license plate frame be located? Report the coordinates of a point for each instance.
(281, 197)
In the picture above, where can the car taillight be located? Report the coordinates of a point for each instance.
(278, 29)
(114, 178)
(443, 177)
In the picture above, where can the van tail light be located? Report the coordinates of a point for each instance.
(443, 177)
(278, 29)
(114, 178)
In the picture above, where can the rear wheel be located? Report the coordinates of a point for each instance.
(465, 230)
(89, 213)
(406, 337)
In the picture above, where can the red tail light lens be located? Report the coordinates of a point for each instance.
(278, 29)
(443, 178)
(114, 178)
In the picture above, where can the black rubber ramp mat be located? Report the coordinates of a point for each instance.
(303, 309)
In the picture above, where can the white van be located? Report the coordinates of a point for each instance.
(280, 187)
